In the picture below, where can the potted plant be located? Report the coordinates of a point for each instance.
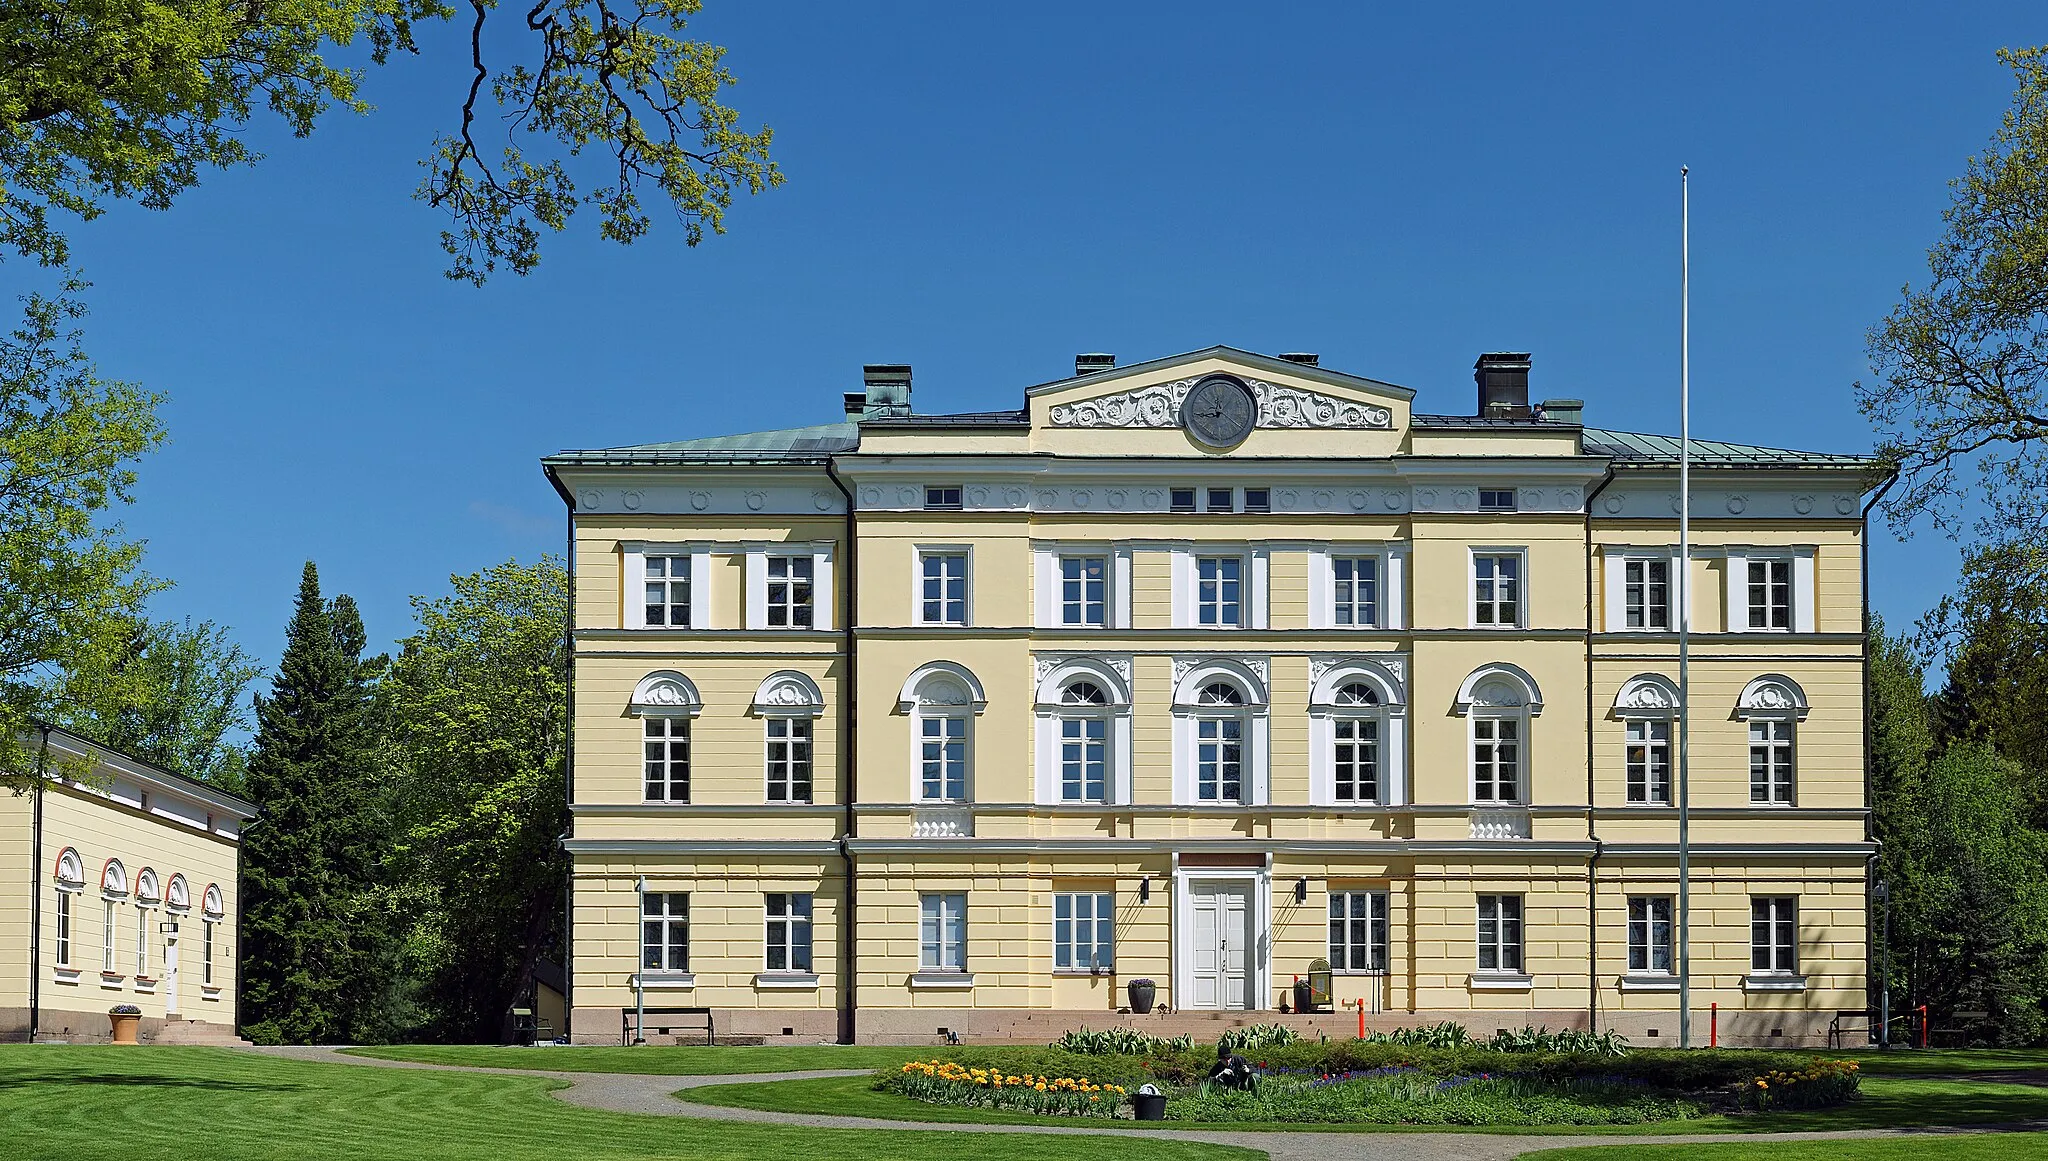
(126, 1018)
(1142, 993)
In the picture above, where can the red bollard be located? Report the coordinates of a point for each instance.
(1713, 1025)
(1923, 1025)
(1361, 1017)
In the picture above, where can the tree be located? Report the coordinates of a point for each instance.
(479, 700)
(69, 441)
(1901, 745)
(1993, 634)
(166, 693)
(1961, 363)
(317, 943)
(102, 101)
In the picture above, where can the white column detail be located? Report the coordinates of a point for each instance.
(1120, 610)
(1803, 589)
(1394, 589)
(1321, 587)
(700, 589)
(822, 615)
(1736, 576)
(1258, 563)
(756, 608)
(1613, 573)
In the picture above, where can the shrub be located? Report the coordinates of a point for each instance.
(951, 1083)
(1401, 1095)
(1120, 1042)
(1256, 1036)
(1814, 1084)
(1449, 1034)
(1569, 1041)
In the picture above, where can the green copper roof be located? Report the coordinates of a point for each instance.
(788, 443)
(1637, 447)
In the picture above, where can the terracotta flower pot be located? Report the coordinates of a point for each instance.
(125, 1028)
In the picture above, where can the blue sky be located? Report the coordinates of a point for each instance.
(983, 191)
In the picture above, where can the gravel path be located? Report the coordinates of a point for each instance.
(660, 1096)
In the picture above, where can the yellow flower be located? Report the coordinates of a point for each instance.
(1093, 1099)
(1040, 1086)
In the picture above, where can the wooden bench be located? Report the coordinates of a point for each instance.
(1842, 1025)
(626, 1016)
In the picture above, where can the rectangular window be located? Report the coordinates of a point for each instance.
(141, 943)
(63, 929)
(1258, 500)
(1774, 935)
(1084, 760)
(107, 940)
(1770, 761)
(1356, 589)
(1649, 935)
(1358, 931)
(1219, 591)
(1183, 500)
(789, 932)
(206, 952)
(789, 759)
(1646, 593)
(1496, 499)
(668, 591)
(1770, 594)
(1500, 933)
(943, 755)
(665, 932)
(1649, 762)
(668, 759)
(1218, 500)
(1219, 759)
(789, 591)
(1084, 591)
(1081, 931)
(1357, 757)
(945, 498)
(1496, 760)
(1497, 590)
(943, 599)
(942, 933)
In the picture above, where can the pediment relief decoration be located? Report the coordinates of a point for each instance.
(1279, 407)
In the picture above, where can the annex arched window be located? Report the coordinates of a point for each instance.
(70, 878)
(1773, 706)
(177, 896)
(942, 699)
(788, 703)
(1357, 740)
(665, 701)
(1084, 730)
(211, 904)
(1221, 732)
(70, 870)
(1498, 701)
(1647, 706)
(114, 878)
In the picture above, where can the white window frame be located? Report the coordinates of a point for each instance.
(212, 910)
(1643, 935)
(1500, 691)
(1255, 754)
(668, 919)
(1491, 721)
(633, 571)
(1802, 559)
(1254, 577)
(70, 886)
(798, 917)
(799, 745)
(1393, 585)
(1781, 785)
(109, 937)
(1615, 560)
(1342, 908)
(927, 553)
(668, 741)
(1500, 945)
(937, 692)
(787, 698)
(1053, 713)
(942, 932)
(1778, 701)
(823, 590)
(1520, 555)
(1100, 924)
(1650, 744)
(1780, 912)
(1220, 599)
(1390, 716)
(1049, 575)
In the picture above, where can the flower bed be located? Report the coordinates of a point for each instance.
(1410, 1096)
(951, 1083)
(1815, 1084)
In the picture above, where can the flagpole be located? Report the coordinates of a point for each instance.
(1684, 610)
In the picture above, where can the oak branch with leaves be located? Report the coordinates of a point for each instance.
(597, 101)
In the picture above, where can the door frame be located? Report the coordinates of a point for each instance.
(174, 963)
(1259, 966)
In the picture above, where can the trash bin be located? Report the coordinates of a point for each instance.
(1149, 1104)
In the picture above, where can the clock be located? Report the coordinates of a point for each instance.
(1219, 411)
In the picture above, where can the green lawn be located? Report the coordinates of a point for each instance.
(679, 1060)
(1977, 1147)
(202, 1104)
(1886, 1102)
(1900, 1062)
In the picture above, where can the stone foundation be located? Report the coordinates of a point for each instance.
(69, 1027)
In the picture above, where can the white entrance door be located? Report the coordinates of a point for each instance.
(1220, 945)
(171, 972)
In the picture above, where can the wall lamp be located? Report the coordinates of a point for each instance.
(1301, 890)
(1145, 889)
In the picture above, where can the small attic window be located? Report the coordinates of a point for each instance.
(1258, 500)
(1496, 499)
(942, 499)
(1183, 499)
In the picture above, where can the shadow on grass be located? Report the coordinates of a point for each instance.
(122, 1079)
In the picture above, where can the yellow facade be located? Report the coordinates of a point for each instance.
(136, 896)
(1089, 700)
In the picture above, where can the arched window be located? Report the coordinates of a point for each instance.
(147, 893)
(1220, 693)
(1499, 699)
(147, 896)
(113, 886)
(1647, 705)
(70, 870)
(665, 701)
(114, 878)
(1083, 692)
(1773, 705)
(211, 904)
(177, 897)
(1356, 693)
(787, 703)
(211, 912)
(1084, 729)
(942, 699)
(1356, 742)
(1221, 733)
(70, 881)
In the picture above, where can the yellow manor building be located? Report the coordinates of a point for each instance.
(1200, 671)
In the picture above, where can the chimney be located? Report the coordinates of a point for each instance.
(1305, 358)
(1563, 410)
(1090, 364)
(888, 391)
(1503, 379)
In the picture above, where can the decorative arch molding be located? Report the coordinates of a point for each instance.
(1773, 695)
(1650, 696)
(70, 870)
(177, 896)
(147, 889)
(1499, 685)
(114, 878)
(789, 694)
(211, 904)
(1343, 671)
(941, 683)
(1248, 674)
(666, 693)
(1112, 677)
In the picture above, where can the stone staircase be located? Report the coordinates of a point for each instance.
(175, 1031)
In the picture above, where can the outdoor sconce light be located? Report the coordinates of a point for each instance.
(1301, 890)
(1145, 890)
(170, 928)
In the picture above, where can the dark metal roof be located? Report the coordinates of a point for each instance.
(1018, 418)
(1482, 422)
(1640, 448)
(784, 445)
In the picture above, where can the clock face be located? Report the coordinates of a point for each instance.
(1219, 411)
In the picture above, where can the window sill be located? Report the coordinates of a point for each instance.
(1083, 974)
(66, 975)
(678, 980)
(1649, 983)
(112, 980)
(145, 986)
(942, 980)
(1501, 982)
(1783, 983)
(787, 981)
(209, 992)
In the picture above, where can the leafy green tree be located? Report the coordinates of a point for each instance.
(479, 700)
(102, 100)
(1993, 634)
(317, 929)
(69, 441)
(1960, 394)
(168, 693)
(1902, 744)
